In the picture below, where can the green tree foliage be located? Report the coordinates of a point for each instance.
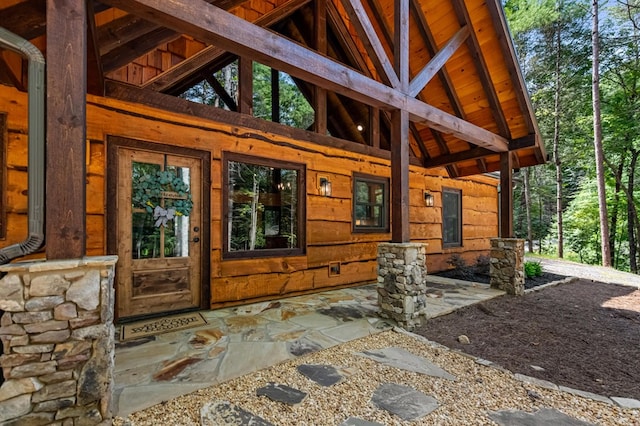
(294, 109)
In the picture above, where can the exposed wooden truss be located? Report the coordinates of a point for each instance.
(435, 81)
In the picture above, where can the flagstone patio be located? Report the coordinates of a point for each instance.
(244, 339)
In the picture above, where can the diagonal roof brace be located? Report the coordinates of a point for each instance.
(437, 62)
(367, 34)
(213, 25)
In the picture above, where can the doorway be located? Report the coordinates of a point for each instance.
(158, 227)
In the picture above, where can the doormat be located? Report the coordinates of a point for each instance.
(161, 325)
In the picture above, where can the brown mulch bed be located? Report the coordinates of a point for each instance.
(585, 335)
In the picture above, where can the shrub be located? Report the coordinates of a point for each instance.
(457, 261)
(532, 269)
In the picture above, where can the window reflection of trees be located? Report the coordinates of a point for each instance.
(262, 207)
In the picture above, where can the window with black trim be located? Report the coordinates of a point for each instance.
(264, 212)
(451, 217)
(3, 174)
(370, 203)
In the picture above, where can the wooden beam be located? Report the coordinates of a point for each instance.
(517, 79)
(372, 44)
(126, 53)
(222, 92)
(26, 19)
(374, 127)
(229, 32)
(209, 54)
(447, 123)
(506, 195)
(123, 31)
(245, 85)
(165, 102)
(523, 142)
(320, 38)
(66, 129)
(445, 160)
(400, 221)
(430, 43)
(438, 61)
(483, 70)
(401, 43)
(95, 77)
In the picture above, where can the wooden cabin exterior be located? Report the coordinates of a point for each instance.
(439, 93)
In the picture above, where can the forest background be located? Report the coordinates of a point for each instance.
(583, 204)
(557, 208)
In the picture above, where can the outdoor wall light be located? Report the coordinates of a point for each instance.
(428, 199)
(325, 187)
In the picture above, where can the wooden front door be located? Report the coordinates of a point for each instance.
(158, 232)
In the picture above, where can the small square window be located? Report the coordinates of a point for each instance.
(451, 217)
(370, 203)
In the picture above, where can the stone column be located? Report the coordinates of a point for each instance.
(58, 342)
(507, 265)
(402, 278)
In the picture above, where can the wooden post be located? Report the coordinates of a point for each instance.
(320, 94)
(66, 129)
(400, 232)
(245, 85)
(506, 195)
(374, 127)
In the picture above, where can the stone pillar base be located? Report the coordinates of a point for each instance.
(402, 278)
(507, 265)
(58, 342)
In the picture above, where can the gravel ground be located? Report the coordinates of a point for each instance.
(477, 390)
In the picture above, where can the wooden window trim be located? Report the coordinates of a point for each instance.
(301, 209)
(458, 192)
(361, 177)
(3, 175)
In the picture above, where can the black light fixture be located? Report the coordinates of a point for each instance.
(325, 187)
(428, 199)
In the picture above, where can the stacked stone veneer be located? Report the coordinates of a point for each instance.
(58, 342)
(402, 278)
(507, 265)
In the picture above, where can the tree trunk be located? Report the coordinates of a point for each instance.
(597, 140)
(527, 205)
(556, 146)
(632, 214)
(615, 212)
(254, 214)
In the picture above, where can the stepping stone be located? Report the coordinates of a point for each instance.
(220, 413)
(626, 402)
(403, 401)
(542, 417)
(324, 375)
(405, 360)
(282, 393)
(354, 421)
